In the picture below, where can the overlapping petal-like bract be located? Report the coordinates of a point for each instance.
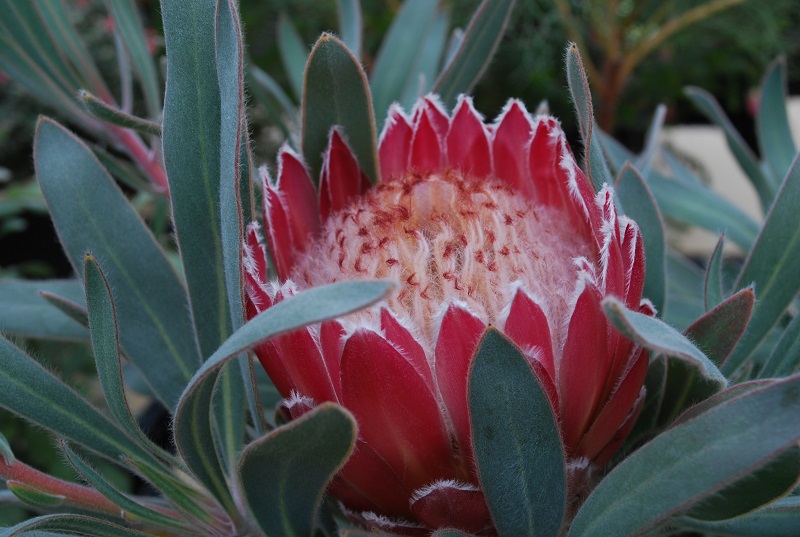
(483, 224)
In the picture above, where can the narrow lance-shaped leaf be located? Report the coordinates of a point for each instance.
(712, 288)
(400, 50)
(520, 459)
(294, 53)
(108, 360)
(772, 266)
(230, 69)
(104, 111)
(772, 122)
(335, 92)
(69, 524)
(480, 41)
(596, 165)
(427, 62)
(350, 24)
(719, 330)
(27, 314)
(90, 213)
(779, 519)
(660, 338)
(707, 104)
(191, 138)
(194, 436)
(30, 391)
(681, 467)
(284, 474)
(785, 357)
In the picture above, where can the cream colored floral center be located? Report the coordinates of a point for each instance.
(446, 237)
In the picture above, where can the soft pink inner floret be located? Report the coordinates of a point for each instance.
(449, 238)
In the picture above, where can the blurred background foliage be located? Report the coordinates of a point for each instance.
(724, 53)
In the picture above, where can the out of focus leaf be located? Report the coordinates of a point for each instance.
(336, 92)
(709, 106)
(520, 458)
(91, 214)
(122, 170)
(640, 205)
(772, 122)
(426, 66)
(350, 24)
(660, 338)
(481, 38)
(652, 141)
(771, 265)
(681, 467)
(780, 519)
(70, 524)
(294, 54)
(284, 474)
(400, 51)
(129, 25)
(712, 288)
(785, 357)
(25, 313)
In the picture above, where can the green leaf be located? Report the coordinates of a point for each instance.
(27, 314)
(771, 265)
(191, 135)
(683, 466)
(640, 205)
(294, 53)
(130, 508)
(90, 213)
(772, 122)
(684, 291)
(780, 519)
(652, 140)
(5, 451)
(660, 338)
(231, 86)
(72, 524)
(596, 165)
(350, 24)
(709, 106)
(266, 84)
(427, 63)
(284, 474)
(30, 391)
(129, 25)
(776, 479)
(123, 170)
(30, 495)
(520, 459)
(110, 114)
(718, 331)
(336, 92)
(193, 430)
(785, 357)
(107, 355)
(74, 311)
(395, 66)
(480, 41)
(712, 288)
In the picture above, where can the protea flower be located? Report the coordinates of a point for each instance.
(482, 225)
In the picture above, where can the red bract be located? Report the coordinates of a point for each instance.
(481, 224)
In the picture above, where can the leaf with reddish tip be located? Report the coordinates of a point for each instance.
(284, 474)
(661, 338)
(520, 459)
(467, 141)
(336, 92)
(682, 467)
(719, 330)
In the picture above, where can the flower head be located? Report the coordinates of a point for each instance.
(482, 224)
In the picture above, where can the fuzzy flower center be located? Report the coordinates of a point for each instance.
(446, 237)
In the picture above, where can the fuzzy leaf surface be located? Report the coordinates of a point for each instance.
(520, 459)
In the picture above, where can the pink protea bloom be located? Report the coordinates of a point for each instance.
(482, 225)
